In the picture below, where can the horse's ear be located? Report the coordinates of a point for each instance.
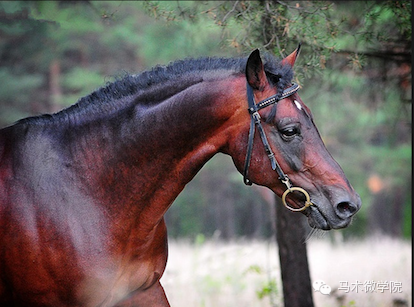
(255, 73)
(291, 58)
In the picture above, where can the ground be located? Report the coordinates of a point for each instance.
(374, 271)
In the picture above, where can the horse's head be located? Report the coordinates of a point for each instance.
(301, 170)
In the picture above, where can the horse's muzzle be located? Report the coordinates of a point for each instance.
(341, 216)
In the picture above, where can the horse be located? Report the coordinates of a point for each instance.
(83, 191)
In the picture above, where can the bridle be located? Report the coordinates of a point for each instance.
(253, 109)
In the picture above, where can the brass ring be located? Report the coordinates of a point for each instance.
(307, 203)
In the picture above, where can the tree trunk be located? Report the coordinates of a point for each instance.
(290, 235)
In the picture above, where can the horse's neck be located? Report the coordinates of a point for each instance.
(159, 150)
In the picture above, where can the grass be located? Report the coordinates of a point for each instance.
(247, 273)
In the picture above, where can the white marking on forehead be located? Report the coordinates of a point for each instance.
(298, 105)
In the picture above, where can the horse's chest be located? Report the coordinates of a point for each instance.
(129, 272)
(106, 288)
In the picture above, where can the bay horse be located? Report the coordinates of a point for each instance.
(83, 191)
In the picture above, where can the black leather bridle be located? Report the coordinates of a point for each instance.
(253, 109)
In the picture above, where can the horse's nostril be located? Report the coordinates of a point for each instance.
(346, 209)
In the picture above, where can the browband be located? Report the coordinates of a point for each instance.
(274, 99)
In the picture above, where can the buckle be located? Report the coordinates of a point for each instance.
(256, 116)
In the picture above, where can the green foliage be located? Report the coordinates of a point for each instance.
(216, 203)
(407, 221)
(78, 82)
(323, 27)
(350, 304)
(269, 288)
(15, 106)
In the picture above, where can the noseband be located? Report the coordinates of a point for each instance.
(255, 121)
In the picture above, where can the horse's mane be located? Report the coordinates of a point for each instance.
(192, 70)
(164, 81)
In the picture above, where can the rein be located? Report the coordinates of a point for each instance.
(253, 109)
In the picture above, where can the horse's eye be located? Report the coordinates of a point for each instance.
(289, 133)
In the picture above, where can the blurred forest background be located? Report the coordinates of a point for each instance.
(354, 66)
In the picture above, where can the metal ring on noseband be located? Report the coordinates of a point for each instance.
(292, 189)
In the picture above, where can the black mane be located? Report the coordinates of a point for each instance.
(162, 82)
(191, 70)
